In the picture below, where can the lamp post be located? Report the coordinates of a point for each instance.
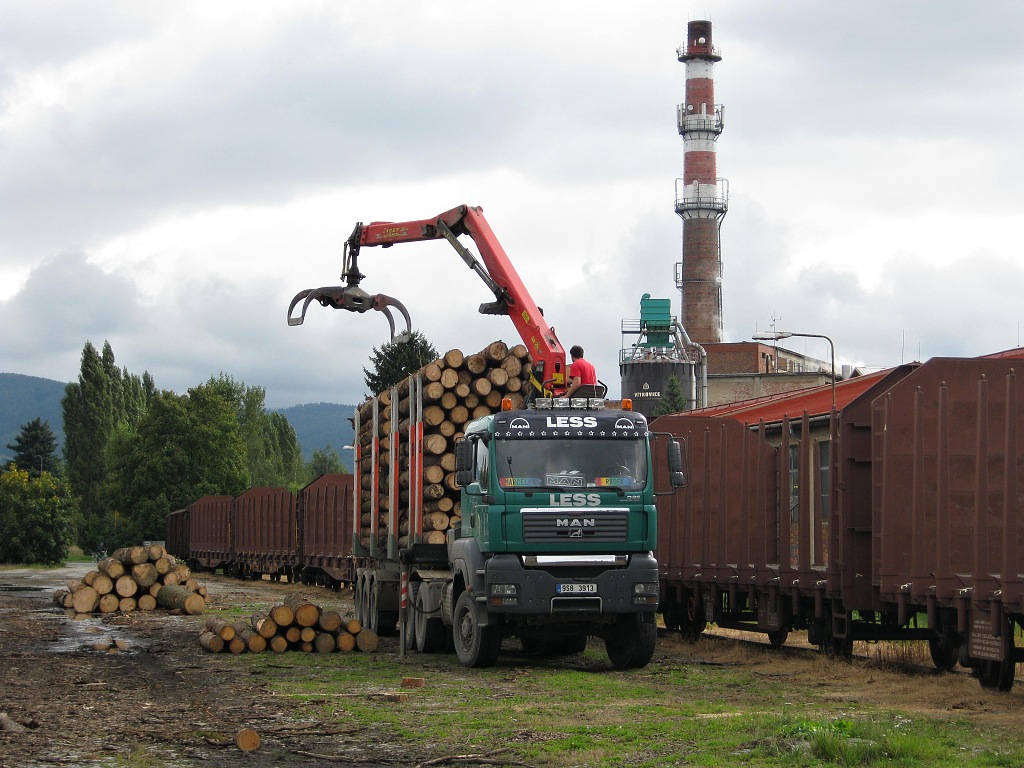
(776, 335)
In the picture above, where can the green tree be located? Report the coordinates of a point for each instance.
(183, 448)
(103, 399)
(672, 400)
(36, 517)
(395, 360)
(272, 450)
(35, 449)
(325, 462)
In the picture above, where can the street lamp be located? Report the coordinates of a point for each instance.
(776, 335)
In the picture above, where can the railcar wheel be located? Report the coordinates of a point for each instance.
(476, 646)
(944, 651)
(778, 637)
(693, 622)
(838, 647)
(997, 675)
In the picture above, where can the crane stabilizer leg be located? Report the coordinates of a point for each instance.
(354, 299)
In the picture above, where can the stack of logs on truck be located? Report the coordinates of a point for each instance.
(897, 513)
(312, 537)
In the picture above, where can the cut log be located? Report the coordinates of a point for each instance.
(247, 740)
(307, 635)
(126, 586)
(211, 641)
(236, 645)
(147, 602)
(265, 626)
(324, 642)
(367, 640)
(329, 621)
(454, 358)
(353, 626)
(179, 598)
(113, 568)
(108, 603)
(293, 634)
(346, 642)
(306, 613)
(254, 642)
(85, 600)
(279, 644)
(145, 574)
(102, 583)
(282, 615)
(127, 604)
(221, 627)
(163, 565)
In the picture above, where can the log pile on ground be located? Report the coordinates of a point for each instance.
(135, 579)
(295, 625)
(457, 388)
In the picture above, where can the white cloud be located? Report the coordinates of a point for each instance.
(173, 175)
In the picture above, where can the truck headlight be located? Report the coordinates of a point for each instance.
(503, 594)
(645, 593)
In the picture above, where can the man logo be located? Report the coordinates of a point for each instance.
(625, 424)
(576, 533)
(519, 423)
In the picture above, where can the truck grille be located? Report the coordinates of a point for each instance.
(579, 524)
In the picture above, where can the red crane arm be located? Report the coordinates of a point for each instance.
(511, 296)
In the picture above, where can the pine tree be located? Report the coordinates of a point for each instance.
(672, 400)
(395, 360)
(35, 449)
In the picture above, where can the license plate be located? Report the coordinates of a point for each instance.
(576, 589)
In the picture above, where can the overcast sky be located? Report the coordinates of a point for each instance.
(171, 174)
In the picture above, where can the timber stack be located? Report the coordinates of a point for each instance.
(135, 579)
(456, 389)
(295, 625)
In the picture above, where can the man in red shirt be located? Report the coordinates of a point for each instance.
(582, 376)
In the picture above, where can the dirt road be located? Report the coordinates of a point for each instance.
(151, 704)
(163, 701)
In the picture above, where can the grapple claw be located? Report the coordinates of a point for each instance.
(354, 299)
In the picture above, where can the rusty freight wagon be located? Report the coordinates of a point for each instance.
(211, 545)
(326, 530)
(897, 515)
(176, 534)
(266, 536)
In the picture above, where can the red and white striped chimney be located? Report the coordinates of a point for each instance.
(702, 199)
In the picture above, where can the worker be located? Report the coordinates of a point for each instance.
(582, 376)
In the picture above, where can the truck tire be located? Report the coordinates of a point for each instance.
(430, 631)
(630, 642)
(476, 646)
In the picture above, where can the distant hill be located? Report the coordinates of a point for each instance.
(23, 398)
(318, 425)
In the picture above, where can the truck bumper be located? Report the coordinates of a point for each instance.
(564, 590)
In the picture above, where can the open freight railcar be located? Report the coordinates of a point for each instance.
(896, 516)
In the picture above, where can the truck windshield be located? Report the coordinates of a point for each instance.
(578, 463)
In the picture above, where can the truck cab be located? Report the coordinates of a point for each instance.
(558, 529)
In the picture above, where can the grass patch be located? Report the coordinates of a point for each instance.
(581, 712)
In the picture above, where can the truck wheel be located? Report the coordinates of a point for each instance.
(475, 646)
(630, 642)
(430, 630)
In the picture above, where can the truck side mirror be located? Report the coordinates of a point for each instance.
(465, 451)
(676, 466)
